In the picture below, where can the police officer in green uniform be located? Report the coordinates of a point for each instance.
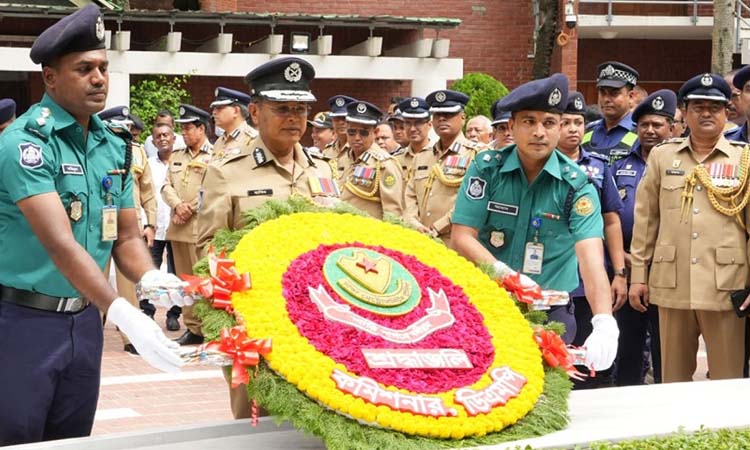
(529, 206)
(66, 208)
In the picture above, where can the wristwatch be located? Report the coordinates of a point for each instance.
(622, 272)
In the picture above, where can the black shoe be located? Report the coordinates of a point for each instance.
(172, 323)
(130, 349)
(189, 338)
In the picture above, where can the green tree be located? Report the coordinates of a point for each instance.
(482, 90)
(154, 93)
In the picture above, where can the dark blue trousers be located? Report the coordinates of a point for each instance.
(50, 366)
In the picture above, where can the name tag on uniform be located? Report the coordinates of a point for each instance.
(502, 208)
(675, 172)
(423, 167)
(533, 258)
(177, 163)
(72, 169)
(259, 192)
(109, 223)
(625, 173)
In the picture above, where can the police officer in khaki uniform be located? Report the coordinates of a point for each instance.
(689, 249)
(229, 111)
(144, 197)
(181, 191)
(274, 166)
(373, 183)
(337, 151)
(415, 116)
(437, 175)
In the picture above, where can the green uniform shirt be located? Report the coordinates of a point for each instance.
(496, 199)
(44, 151)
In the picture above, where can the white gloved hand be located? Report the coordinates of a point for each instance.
(601, 345)
(158, 350)
(162, 288)
(502, 270)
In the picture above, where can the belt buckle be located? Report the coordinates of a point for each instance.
(71, 304)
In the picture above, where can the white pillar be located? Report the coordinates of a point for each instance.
(119, 89)
(424, 86)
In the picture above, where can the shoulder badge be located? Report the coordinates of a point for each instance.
(476, 187)
(30, 155)
(584, 206)
(259, 156)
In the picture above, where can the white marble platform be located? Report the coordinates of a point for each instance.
(606, 414)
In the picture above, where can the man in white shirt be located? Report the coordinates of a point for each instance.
(159, 164)
(164, 117)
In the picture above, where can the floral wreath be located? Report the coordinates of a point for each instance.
(294, 301)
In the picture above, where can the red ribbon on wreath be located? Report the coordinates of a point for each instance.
(224, 280)
(244, 351)
(524, 294)
(555, 352)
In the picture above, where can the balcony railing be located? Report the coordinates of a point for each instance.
(674, 8)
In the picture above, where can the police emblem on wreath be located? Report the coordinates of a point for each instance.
(440, 97)
(414, 103)
(99, 28)
(554, 97)
(361, 108)
(497, 239)
(707, 80)
(340, 102)
(657, 103)
(31, 155)
(578, 104)
(476, 188)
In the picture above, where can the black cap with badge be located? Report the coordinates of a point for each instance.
(338, 104)
(707, 86)
(225, 96)
(190, 113)
(615, 74)
(499, 115)
(414, 108)
(321, 120)
(662, 102)
(545, 94)
(117, 114)
(576, 104)
(363, 112)
(445, 101)
(282, 80)
(79, 32)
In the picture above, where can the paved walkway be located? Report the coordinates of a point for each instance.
(135, 396)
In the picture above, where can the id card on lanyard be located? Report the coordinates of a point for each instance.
(109, 213)
(533, 257)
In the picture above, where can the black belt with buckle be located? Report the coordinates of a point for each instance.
(20, 297)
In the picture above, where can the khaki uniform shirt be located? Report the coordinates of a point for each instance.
(374, 184)
(183, 184)
(690, 261)
(245, 180)
(231, 143)
(437, 175)
(338, 158)
(406, 157)
(144, 194)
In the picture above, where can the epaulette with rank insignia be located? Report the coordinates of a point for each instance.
(573, 174)
(738, 143)
(40, 124)
(399, 151)
(380, 156)
(490, 159)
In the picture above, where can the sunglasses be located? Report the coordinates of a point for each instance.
(354, 131)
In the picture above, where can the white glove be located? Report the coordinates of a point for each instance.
(601, 345)
(162, 288)
(502, 270)
(158, 350)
